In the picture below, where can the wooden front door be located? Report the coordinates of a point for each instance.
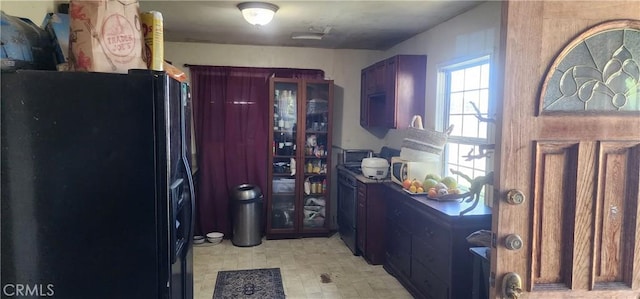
(578, 171)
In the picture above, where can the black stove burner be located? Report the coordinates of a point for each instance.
(354, 168)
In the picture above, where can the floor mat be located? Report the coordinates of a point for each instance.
(253, 284)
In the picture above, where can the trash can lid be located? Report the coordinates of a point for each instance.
(246, 192)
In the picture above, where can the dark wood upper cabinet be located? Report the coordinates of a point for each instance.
(392, 91)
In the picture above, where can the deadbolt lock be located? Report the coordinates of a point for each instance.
(515, 197)
(511, 286)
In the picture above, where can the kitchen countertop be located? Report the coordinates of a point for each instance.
(447, 208)
(362, 178)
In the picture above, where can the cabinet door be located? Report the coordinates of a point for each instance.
(429, 284)
(364, 103)
(370, 82)
(298, 196)
(281, 194)
(379, 79)
(362, 218)
(391, 72)
(316, 155)
(398, 237)
(375, 235)
(431, 245)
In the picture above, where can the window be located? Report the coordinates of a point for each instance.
(466, 96)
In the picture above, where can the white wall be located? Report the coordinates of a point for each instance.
(33, 10)
(470, 35)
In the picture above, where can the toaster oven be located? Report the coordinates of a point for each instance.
(353, 157)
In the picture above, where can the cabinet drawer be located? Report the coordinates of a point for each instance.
(427, 282)
(436, 237)
(438, 261)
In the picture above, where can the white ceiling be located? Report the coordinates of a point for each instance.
(374, 25)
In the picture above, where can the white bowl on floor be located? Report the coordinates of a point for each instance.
(215, 237)
(198, 239)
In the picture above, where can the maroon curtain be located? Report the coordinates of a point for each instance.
(230, 107)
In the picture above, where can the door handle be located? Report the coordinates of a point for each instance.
(515, 197)
(511, 286)
(513, 242)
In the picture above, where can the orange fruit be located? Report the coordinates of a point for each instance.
(406, 184)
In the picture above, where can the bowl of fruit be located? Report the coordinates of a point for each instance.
(413, 187)
(434, 187)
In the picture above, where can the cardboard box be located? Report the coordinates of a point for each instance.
(153, 31)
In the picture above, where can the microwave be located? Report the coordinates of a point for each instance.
(402, 169)
(353, 157)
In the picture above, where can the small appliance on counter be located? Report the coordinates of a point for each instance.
(352, 159)
(402, 169)
(375, 168)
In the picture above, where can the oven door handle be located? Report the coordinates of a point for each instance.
(347, 182)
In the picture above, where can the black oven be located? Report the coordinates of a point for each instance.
(347, 207)
(347, 191)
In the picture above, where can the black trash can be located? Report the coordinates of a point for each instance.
(246, 215)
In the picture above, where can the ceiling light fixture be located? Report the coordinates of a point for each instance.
(258, 13)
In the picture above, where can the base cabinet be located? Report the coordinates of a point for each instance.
(371, 231)
(427, 248)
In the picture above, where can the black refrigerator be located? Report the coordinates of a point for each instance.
(97, 191)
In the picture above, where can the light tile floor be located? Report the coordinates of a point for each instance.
(301, 262)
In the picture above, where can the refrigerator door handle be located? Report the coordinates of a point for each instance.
(185, 161)
(191, 203)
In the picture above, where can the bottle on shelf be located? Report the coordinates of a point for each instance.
(309, 167)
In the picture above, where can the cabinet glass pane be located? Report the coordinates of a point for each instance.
(283, 208)
(314, 211)
(317, 103)
(317, 150)
(285, 107)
